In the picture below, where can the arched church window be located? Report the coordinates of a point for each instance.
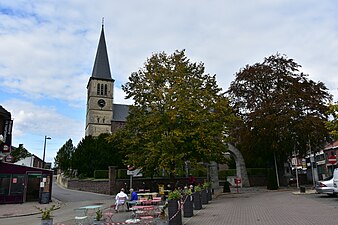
(105, 89)
(98, 89)
(101, 89)
(98, 120)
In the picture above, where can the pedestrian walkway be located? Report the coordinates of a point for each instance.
(249, 206)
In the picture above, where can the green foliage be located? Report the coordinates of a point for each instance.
(280, 110)
(179, 114)
(187, 191)
(20, 153)
(46, 212)
(227, 173)
(96, 153)
(332, 124)
(98, 215)
(206, 185)
(122, 173)
(198, 188)
(101, 174)
(174, 195)
(63, 159)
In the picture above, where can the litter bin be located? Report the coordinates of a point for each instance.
(302, 189)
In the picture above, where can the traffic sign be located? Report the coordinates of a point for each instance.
(332, 159)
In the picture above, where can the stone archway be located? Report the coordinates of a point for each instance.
(240, 165)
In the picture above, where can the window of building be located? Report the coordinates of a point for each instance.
(98, 89)
(105, 89)
(101, 89)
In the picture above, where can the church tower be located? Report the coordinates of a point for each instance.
(100, 93)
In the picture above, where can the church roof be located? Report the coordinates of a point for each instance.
(101, 69)
(120, 112)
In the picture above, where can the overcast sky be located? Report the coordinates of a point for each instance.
(48, 47)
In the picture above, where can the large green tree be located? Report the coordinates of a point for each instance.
(63, 159)
(95, 153)
(281, 110)
(179, 114)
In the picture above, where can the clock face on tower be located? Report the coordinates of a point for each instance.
(101, 103)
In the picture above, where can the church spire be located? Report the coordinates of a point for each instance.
(101, 67)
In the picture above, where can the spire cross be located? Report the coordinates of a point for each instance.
(102, 22)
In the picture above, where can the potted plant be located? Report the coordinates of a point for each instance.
(46, 215)
(204, 194)
(207, 187)
(174, 207)
(188, 206)
(98, 217)
(197, 198)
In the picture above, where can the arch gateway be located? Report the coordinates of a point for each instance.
(241, 171)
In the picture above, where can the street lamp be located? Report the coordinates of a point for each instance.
(44, 151)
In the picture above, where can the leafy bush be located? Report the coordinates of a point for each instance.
(122, 173)
(174, 195)
(46, 212)
(101, 174)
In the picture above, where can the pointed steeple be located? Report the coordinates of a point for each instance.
(101, 68)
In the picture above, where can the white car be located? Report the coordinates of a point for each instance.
(335, 181)
(325, 186)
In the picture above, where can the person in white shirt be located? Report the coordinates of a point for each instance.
(120, 199)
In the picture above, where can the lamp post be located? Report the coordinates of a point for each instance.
(44, 151)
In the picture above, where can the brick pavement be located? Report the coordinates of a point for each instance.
(254, 206)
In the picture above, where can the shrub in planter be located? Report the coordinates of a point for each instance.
(188, 205)
(46, 215)
(197, 198)
(174, 208)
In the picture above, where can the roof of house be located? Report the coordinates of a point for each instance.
(332, 145)
(5, 113)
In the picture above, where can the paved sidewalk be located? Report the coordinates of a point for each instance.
(249, 206)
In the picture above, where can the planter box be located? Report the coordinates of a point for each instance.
(174, 212)
(197, 200)
(188, 206)
(204, 197)
(47, 222)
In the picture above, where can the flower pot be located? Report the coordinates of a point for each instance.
(204, 197)
(95, 222)
(174, 212)
(197, 200)
(47, 222)
(188, 206)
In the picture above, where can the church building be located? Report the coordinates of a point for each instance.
(103, 116)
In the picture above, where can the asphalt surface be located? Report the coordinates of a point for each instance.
(251, 206)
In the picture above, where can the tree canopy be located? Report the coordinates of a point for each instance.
(281, 109)
(63, 159)
(332, 123)
(179, 114)
(91, 153)
(20, 153)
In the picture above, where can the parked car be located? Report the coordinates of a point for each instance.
(326, 186)
(335, 181)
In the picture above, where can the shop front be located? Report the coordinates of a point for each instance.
(20, 184)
